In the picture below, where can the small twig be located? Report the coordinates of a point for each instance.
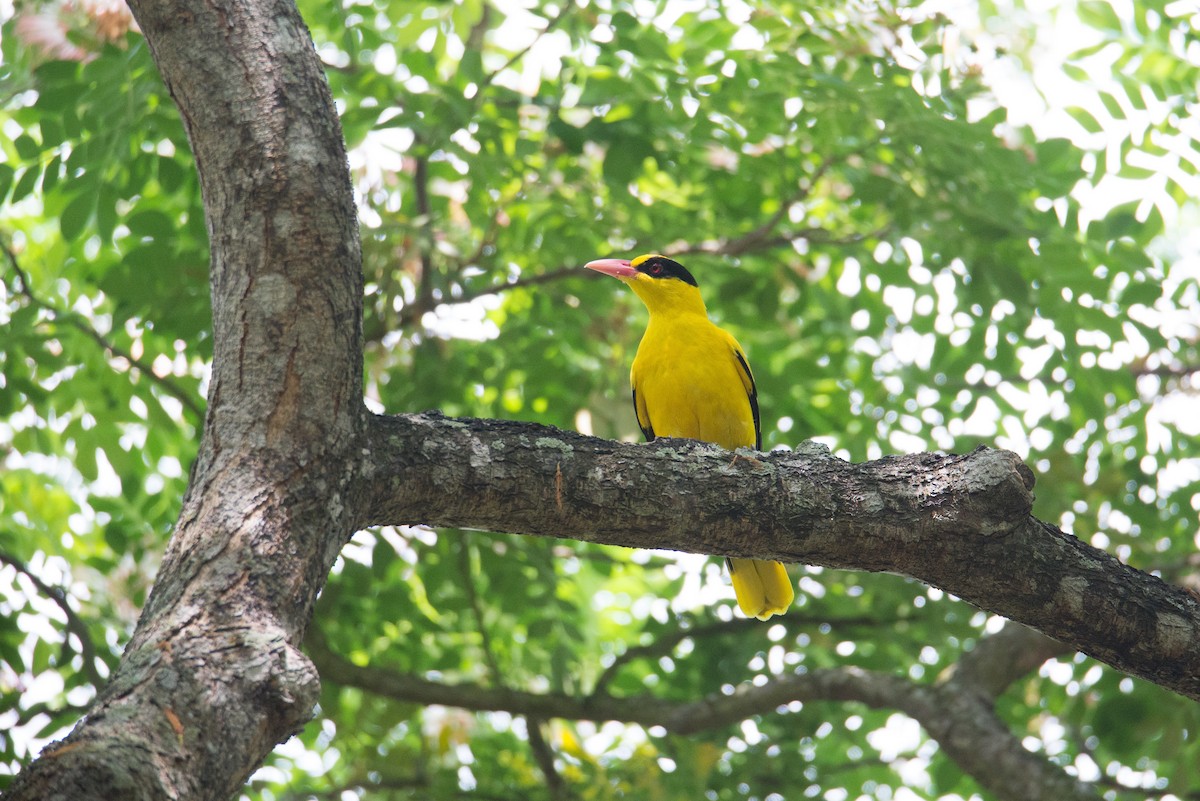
(488, 238)
(545, 758)
(75, 321)
(489, 655)
(425, 245)
(760, 238)
(409, 314)
(75, 624)
(524, 281)
(755, 241)
(413, 311)
(661, 647)
(1167, 370)
(551, 23)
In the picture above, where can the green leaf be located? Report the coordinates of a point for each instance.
(152, 223)
(51, 174)
(1112, 106)
(170, 174)
(27, 147)
(623, 161)
(358, 122)
(1077, 73)
(26, 183)
(7, 174)
(106, 211)
(1100, 14)
(1133, 92)
(77, 215)
(57, 73)
(1085, 118)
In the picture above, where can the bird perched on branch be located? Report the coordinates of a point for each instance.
(691, 379)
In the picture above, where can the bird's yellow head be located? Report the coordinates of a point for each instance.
(663, 284)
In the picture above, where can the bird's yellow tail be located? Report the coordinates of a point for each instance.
(763, 588)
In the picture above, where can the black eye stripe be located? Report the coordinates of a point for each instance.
(662, 267)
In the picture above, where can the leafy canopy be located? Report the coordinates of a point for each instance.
(909, 260)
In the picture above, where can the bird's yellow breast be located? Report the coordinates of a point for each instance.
(689, 383)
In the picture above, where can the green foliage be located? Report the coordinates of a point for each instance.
(908, 267)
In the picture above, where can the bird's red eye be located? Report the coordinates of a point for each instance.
(656, 269)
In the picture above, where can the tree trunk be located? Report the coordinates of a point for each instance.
(213, 677)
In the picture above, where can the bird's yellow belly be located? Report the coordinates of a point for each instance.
(691, 388)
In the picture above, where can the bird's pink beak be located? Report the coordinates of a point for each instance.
(617, 268)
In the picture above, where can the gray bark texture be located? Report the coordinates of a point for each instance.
(959, 523)
(213, 677)
(291, 465)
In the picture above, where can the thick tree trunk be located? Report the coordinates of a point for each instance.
(213, 678)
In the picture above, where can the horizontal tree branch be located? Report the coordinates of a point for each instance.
(955, 713)
(686, 717)
(961, 523)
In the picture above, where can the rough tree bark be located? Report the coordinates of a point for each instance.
(959, 523)
(291, 464)
(213, 677)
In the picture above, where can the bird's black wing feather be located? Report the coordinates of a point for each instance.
(753, 395)
(648, 429)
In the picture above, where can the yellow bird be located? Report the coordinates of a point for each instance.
(691, 379)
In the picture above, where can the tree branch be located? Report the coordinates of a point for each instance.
(1002, 658)
(410, 314)
(75, 624)
(544, 756)
(955, 714)
(960, 523)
